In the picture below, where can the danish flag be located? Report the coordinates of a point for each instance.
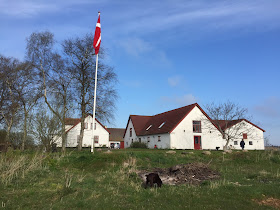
(97, 35)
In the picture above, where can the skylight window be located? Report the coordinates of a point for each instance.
(162, 124)
(149, 127)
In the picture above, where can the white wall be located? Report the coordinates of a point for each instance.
(72, 135)
(182, 137)
(127, 138)
(254, 134)
(164, 142)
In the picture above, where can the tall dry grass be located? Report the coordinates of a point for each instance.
(14, 166)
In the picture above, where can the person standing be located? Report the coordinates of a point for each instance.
(242, 144)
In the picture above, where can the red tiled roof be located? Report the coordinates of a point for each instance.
(76, 121)
(170, 119)
(116, 134)
(225, 124)
(72, 121)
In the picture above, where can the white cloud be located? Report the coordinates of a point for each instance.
(174, 81)
(200, 16)
(135, 46)
(180, 100)
(269, 107)
(31, 8)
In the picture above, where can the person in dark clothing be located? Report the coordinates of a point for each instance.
(242, 144)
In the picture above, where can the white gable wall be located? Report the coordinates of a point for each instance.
(72, 135)
(127, 138)
(182, 137)
(254, 134)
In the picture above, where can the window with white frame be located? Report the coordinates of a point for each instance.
(159, 139)
(86, 125)
(148, 139)
(149, 127)
(162, 124)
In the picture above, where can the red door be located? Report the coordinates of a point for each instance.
(197, 142)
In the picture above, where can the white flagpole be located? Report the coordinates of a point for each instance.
(94, 105)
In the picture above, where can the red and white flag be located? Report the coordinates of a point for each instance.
(97, 35)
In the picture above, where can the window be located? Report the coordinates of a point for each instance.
(244, 135)
(86, 125)
(235, 143)
(162, 124)
(140, 140)
(90, 126)
(94, 126)
(130, 132)
(159, 139)
(149, 127)
(250, 143)
(96, 139)
(197, 126)
(148, 139)
(131, 140)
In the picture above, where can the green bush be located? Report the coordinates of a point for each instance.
(138, 144)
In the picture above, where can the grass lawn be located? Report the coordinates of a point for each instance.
(80, 180)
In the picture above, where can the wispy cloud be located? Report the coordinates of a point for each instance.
(174, 81)
(135, 46)
(269, 107)
(31, 8)
(202, 15)
(180, 100)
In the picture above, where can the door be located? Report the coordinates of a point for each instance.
(197, 142)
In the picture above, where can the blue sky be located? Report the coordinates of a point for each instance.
(170, 53)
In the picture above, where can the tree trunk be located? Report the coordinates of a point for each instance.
(80, 145)
(7, 138)
(24, 129)
(63, 138)
(83, 111)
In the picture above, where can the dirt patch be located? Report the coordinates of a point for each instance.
(273, 202)
(191, 173)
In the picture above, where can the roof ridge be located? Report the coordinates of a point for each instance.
(176, 109)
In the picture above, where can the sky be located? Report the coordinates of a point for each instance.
(169, 53)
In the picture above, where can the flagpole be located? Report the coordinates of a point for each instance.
(96, 45)
(94, 105)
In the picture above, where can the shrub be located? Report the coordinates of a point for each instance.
(138, 145)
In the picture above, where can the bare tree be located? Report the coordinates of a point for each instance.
(46, 127)
(9, 100)
(229, 118)
(28, 92)
(55, 79)
(81, 60)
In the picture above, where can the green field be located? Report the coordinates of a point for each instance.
(80, 180)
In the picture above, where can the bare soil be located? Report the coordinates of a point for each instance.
(273, 202)
(191, 173)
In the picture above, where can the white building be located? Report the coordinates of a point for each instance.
(187, 127)
(243, 129)
(73, 127)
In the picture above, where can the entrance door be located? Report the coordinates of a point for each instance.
(197, 142)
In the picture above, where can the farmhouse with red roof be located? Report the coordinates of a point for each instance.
(188, 127)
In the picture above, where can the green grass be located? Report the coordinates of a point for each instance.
(80, 180)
